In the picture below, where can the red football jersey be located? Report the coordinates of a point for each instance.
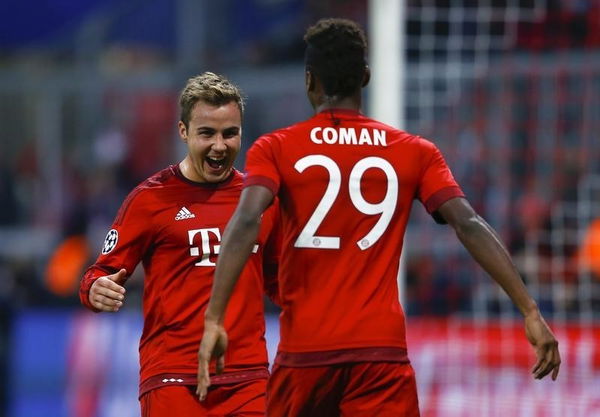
(174, 227)
(345, 184)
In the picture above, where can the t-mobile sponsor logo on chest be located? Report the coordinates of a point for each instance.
(348, 136)
(209, 244)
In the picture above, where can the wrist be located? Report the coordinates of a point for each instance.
(211, 317)
(530, 310)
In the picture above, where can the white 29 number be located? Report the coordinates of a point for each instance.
(386, 207)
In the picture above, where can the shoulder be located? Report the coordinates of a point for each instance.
(143, 196)
(266, 146)
(151, 185)
(424, 146)
(425, 151)
(279, 135)
(400, 136)
(160, 178)
(269, 139)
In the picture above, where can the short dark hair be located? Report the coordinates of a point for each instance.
(336, 53)
(211, 88)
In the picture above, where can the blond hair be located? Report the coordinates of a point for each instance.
(211, 88)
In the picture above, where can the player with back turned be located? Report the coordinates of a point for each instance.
(172, 223)
(346, 184)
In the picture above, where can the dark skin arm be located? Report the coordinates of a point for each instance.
(237, 243)
(487, 249)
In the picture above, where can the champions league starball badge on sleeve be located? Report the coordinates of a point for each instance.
(110, 242)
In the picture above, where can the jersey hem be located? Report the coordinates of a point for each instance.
(169, 379)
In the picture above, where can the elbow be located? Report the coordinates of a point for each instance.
(247, 220)
(468, 226)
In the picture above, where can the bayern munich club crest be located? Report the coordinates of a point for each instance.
(110, 242)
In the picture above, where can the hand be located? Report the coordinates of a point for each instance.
(107, 293)
(213, 345)
(545, 344)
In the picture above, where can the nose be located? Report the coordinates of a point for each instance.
(219, 144)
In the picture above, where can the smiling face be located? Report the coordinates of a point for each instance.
(213, 139)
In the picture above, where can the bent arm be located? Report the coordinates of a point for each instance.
(125, 245)
(486, 247)
(238, 240)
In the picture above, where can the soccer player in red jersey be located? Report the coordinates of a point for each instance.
(173, 223)
(346, 184)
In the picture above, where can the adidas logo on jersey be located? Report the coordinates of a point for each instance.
(184, 214)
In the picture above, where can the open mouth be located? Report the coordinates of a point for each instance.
(216, 163)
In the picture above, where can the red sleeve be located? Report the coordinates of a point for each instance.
(261, 168)
(271, 256)
(437, 184)
(91, 274)
(124, 246)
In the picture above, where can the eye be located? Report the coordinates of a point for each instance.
(230, 133)
(206, 133)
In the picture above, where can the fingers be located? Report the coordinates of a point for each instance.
(555, 372)
(546, 347)
(103, 303)
(548, 361)
(203, 380)
(108, 283)
(109, 293)
(213, 345)
(106, 295)
(204, 354)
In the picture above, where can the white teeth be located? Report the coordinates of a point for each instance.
(216, 163)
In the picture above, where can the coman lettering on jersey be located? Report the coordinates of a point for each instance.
(348, 136)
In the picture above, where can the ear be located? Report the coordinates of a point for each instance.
(366, 76)
(182, 131)
(309, 80)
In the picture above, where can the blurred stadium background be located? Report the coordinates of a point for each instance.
(508, 89)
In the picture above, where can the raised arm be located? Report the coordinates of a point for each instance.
(238, 240)
(486, 247)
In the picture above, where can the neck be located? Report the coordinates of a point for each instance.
(346, 103)
(186, 169)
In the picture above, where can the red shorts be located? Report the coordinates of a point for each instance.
(244, 399)
(365, 389)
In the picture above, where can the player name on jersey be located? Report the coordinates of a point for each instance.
(348, 136)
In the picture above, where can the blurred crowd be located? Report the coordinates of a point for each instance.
(514, 184)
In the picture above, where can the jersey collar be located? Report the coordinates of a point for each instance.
(211, 185)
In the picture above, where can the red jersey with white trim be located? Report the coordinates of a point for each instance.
(346, 184)
(173, 226)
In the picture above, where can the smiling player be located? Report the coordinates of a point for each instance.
(173, 223)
